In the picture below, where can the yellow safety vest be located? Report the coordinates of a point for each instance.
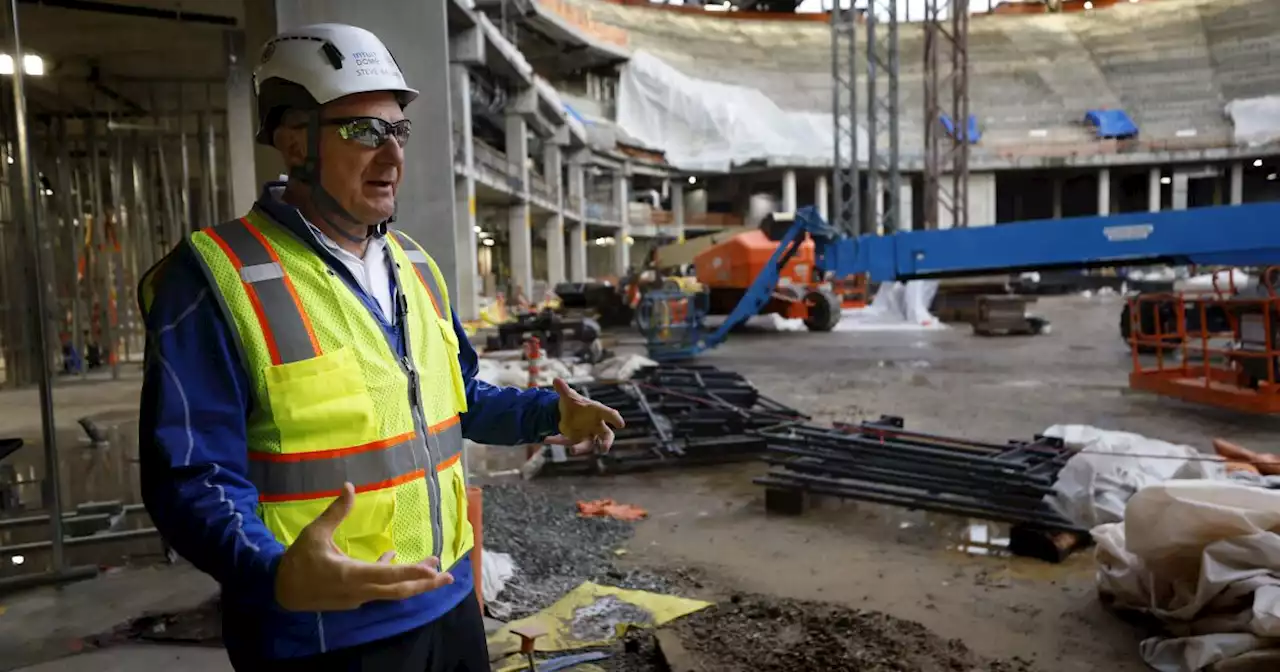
(334, 402)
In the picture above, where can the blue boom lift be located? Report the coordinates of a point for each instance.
(1242, 235)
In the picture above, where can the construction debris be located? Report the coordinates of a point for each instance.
(884, 463)
(554, 549)
(607, 508)
(754, 633)
(679, 416)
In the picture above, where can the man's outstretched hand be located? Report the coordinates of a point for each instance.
(314, 575)
(585, 425)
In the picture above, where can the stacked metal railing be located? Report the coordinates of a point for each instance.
(884, 463)
(680, 416)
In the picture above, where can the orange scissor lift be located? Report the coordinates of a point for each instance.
(1235, 365)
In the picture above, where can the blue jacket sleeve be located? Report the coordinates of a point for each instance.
(503, 416)
(192, 437)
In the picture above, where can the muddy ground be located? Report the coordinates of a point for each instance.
(938, 571)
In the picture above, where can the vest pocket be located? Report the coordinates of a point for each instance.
(321, 403)
(452, 347)
(364, 535)
(462, 539)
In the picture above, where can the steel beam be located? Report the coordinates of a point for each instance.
(946, 91)
(845, 178)
(884, 179)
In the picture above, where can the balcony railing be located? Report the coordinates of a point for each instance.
(539, 188)
(495, 164)
(603, 211)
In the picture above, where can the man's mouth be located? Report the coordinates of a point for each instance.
(380, 183)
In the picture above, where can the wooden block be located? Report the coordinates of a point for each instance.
(672, 656)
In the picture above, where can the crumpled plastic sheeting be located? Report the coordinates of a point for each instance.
(1204, 558)
(712, 126)
(1256, 120)
(1095, 486)
(897, 306)
(496, 569)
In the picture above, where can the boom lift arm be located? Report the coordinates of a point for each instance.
(1240, 235)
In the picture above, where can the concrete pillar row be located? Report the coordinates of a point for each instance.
(622, 196)
(553, 166)
(822, 196)
(1179, 190)
(678, 210)
(466, 294)
(578, 232)
(1153, 190)
(519, 222)
(1237, 183)
(789, 191)
(1104, 192)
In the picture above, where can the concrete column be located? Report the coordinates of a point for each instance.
(821, 197)
(1104, 192)
(622, 196)
(259, 25)
(554, 233)
(241, 123)
(1237, 183)
(417, 34)
(1153, 190)
(905, 220)
(519, 224)
(677, 210)
(789, 191)
(578, 233)
(466, 293)
(1179, 190)
(1057, 197)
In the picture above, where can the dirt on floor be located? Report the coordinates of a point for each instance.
(757, 633)
(950, 575)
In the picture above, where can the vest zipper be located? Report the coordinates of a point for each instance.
(420, 424)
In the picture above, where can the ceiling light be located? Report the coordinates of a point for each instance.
(693, 180)
(1166, 180)
(1272, 177)
(1088, 5)
(631, 241)
(477, 229)
(48, 192)
(17, 559)
(488, 242)
(1257, 163)
(31, 64)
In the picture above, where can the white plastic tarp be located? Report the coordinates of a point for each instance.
(1256, 120)
(897, 306)
(1095, 486)
(1204, 558)
(712, 126)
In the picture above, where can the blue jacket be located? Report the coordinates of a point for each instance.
(195, 401)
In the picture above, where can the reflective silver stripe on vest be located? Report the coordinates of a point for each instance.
(368, 469)
(419, 260)
(281, 312)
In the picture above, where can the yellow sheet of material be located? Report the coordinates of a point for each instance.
(595, 615)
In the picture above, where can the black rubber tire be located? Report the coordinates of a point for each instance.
(824, 310)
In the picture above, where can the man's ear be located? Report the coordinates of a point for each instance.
(292, 144)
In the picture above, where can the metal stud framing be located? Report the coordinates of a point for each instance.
(946, 91)
(844, 106)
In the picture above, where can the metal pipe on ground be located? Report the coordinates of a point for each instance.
(105, 537)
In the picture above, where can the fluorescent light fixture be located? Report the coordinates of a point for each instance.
(476, 228)
(31, 64)
(1166, 180)
(1272, 177)
(1257, 163)
(1088, 5)
(488, 242)
(693, 180)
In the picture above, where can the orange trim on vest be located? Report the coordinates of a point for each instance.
(267, 334)
(288, 282)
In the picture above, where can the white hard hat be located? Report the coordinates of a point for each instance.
(312, 65)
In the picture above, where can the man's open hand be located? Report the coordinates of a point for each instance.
(315, 576)
(585, 425)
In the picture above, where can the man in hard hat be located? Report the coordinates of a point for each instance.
(308, 388)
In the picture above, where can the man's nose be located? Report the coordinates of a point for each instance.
(391, 151)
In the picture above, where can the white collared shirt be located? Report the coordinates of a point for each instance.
(372, 272)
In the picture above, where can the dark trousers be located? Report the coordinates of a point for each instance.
(454, 642)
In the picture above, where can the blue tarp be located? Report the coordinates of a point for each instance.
(1112, 123)
(972, 134)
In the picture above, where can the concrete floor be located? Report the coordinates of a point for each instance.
(913, 565)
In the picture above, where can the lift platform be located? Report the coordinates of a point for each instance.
(1243, 235)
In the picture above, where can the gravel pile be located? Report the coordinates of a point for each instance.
(553, 548)
(752, 633)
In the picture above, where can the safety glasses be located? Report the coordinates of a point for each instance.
(371, 132)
